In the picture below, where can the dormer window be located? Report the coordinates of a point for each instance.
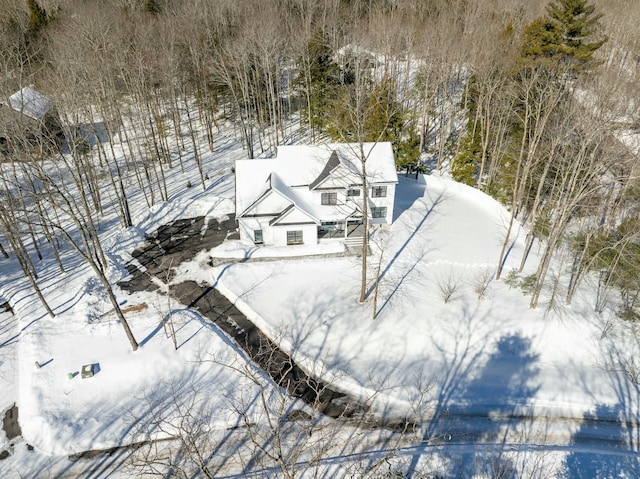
(329, 198)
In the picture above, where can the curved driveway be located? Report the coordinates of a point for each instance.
(181, 240)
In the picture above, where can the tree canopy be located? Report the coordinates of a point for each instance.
(37, 16)
(566, 36)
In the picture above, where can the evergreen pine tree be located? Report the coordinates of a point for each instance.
(384, 121)
(564, 37)
(407, 152)
(381, 114)
(37, 16)
(464, 164)
(321, 78)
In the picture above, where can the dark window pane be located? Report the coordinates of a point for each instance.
(294, 237)
(379, 191)
(329, 198)
(379, 212)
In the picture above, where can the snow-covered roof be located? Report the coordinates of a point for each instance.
(298, 168)
(30, 103)
(299, 201)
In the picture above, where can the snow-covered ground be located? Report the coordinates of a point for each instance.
(483, 355)
(460, 365)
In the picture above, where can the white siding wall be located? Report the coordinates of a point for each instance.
(277, 235)
(342, 200)
(355, 201)
(316, 196)
(295, 216)
(387, 201)
(334, 183)
(271, 204)
(248, 225)
(274, 235)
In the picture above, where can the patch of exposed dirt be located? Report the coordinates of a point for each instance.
(10, 424)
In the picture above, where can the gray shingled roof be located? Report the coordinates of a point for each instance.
(331, 165)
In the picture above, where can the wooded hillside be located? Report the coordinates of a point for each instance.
(531, 102)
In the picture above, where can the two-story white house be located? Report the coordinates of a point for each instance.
(308, 194)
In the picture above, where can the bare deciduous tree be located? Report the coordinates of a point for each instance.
(266, 417)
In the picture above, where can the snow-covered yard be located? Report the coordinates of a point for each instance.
(468, 357)
(492, 354)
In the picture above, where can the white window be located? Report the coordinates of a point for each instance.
(257, 236)
(329, 198)
(294, 237)
(379, 212)
(378, 191)
(353, 192)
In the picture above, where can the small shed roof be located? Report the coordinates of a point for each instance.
(30, 103)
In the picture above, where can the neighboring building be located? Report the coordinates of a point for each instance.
(313, 193)
(29, 117)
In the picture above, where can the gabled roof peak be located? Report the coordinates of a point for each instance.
(331, 165)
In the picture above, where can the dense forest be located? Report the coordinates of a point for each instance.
(532, 102)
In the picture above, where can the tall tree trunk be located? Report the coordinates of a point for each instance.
(23, 260)
(365, 225)
(118, 311)
(196, 155)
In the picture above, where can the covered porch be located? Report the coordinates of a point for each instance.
(348, 229)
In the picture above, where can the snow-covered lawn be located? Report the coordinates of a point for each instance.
(491, 355)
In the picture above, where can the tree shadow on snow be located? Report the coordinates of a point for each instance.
(601, 446)
(89, 134)
(607, 444)
(408, 191)
(439, 199)
(480, 405)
